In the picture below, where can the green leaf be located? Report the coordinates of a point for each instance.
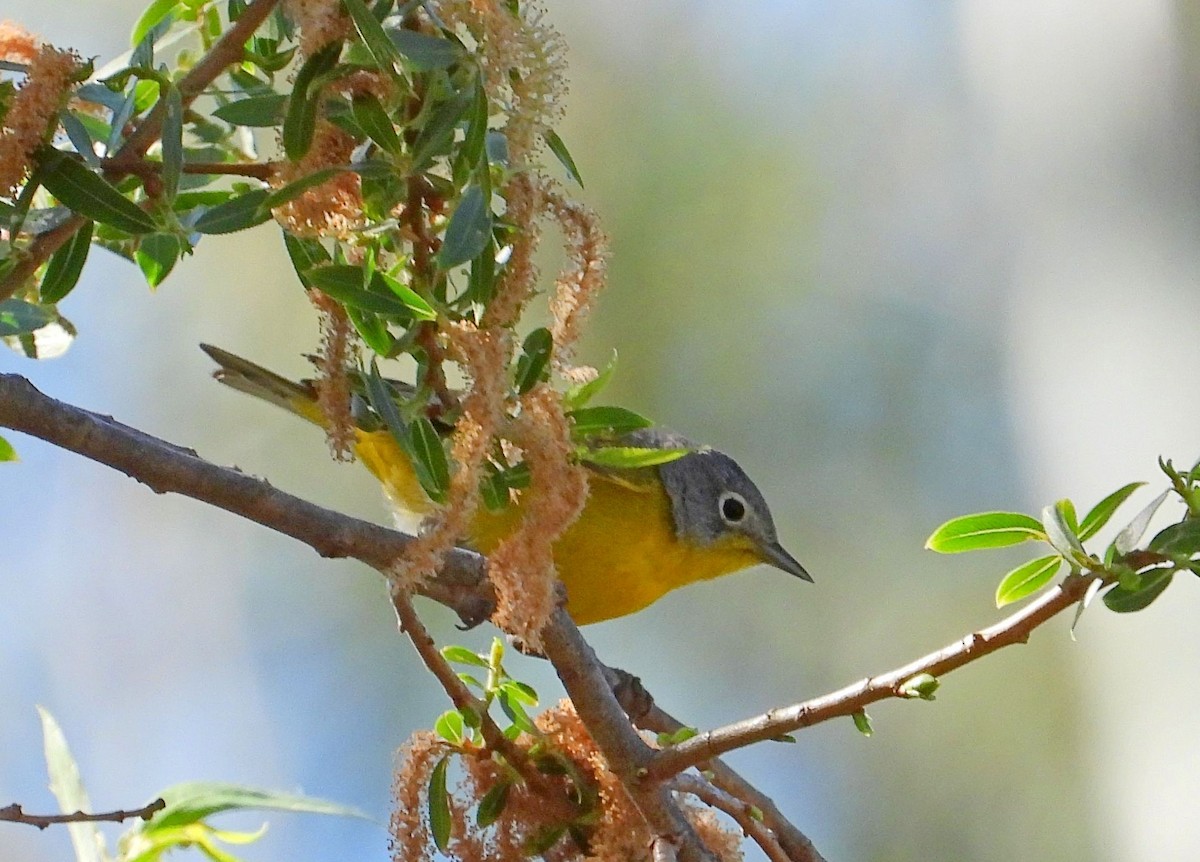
(666, 740)
(923, 686)
(194, 801)
(451, 727)
(578, 396)
(472, 149)
(423, 53)
(542, 840)
(89, 194)
(1182, 539)
(563, 155)
(415, 303)
(512, 707)
(65, 266)
(1128, 538)
(7, 452)
(370, 114)
(79, 137)
(533, 366)
(67, 787)
(18, 317)
(172, 141)
(1056, 521)
(154, 15)
(305, 254)
(492, 805)
(300, 119)
(481, 282)
(1027, 578)
(344, 283)
(608, 421)
(371, 32)
(1150, 585)
(862, 722)
(469, 230)
(429, 458)
(297, 187)
(462, 655)
(260, 112)
(238, 213)
(630, 457)
(156, 255)
(1095, 520)
(437, 132)
(984, 530)
(521, 692)
(439, 806)
(374, 332)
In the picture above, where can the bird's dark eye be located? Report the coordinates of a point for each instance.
(733, 507)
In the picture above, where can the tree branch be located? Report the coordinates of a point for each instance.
(224, 52)
(16, 814)
(627, 754)
(166, 468)
(854, 698)
(742, 813)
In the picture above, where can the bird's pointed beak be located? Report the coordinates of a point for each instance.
(773, 554)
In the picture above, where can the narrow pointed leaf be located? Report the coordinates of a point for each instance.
(469, 230)
(1125, 600)
(172, 142)
(194, 801)
(630, 457)
(984, 530)
(462, 655)
(343, 282)
(18, 317)
(1128, 538)
(415, 303)
(297, 187)
(563, 155)
(1027, 578)
(1182, 539)
(67, 786)
(265, 111)
(156, 256)
(371, 32)
(1099, 515)
(90, 194)
(300, 120)
(578, 396)
(610, 421)
(533, 366)
(433, 470)
(305, 254)
(492, 805)
(7, 452)
(862, 723)
(439, 806)
(1056, 523)
(65, 266)
(154, 15)
(370, 114)
(238, 213)
(421, 52)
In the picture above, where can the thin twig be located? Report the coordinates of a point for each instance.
(854, 698)
(464, 699)
(742, 813)
(116, 167)
(16, 814)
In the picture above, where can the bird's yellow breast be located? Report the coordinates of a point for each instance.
(622, 553)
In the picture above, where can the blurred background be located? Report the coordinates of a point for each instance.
(904, 260)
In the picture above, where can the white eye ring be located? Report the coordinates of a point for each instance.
(732, 507)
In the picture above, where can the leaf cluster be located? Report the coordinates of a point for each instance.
(1131, 574)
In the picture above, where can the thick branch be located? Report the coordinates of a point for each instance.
(165, 468)
(16, 814)
(627, 754)
(853, 698)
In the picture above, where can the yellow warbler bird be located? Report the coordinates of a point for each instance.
(643, 531)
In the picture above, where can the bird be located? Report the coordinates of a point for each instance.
(642, 532)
